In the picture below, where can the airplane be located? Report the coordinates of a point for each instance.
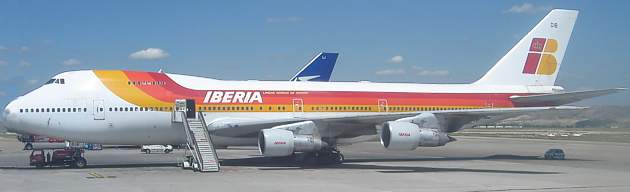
(318, 69)
(284, 118)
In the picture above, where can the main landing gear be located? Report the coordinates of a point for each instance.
(326, 156)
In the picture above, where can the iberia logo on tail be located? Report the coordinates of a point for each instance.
(541, 59)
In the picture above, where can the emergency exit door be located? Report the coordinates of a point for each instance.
(298, 105)
(99, 109)
(382, 105)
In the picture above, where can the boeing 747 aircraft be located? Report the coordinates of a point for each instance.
(285, 117)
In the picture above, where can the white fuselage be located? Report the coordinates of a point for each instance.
(85, 95)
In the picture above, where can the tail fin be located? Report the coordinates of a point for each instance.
(319, 69)
(535, 59)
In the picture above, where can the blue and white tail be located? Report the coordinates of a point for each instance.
(319, 69)
(535, 59)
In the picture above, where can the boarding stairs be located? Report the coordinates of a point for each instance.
(200, 144)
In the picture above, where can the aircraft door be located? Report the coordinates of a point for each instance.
(298, 105)
(382, 105)
(180, 105)
(490, 101)
(190, 109)
(99, 109)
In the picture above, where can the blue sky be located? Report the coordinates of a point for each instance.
(381, 41)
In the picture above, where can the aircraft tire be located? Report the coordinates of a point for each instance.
(79, 162)
(28, 146)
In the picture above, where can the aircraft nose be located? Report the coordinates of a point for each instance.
(9, 116)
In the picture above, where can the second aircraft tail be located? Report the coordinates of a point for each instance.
(318, 69)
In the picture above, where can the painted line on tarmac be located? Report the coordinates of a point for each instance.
(95, 175)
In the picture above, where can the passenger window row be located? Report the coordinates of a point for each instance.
(239, 108)
(122, 109)
(146, 82)
(53, 110)
(343, 108)
(429, 108)
(331, 108)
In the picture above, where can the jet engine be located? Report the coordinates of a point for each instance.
(397, 135)
(282, 141)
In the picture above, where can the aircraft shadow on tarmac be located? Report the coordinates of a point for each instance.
(266, 163)
(491, 157)
(416, 169)
(284, 164)
(132, 165)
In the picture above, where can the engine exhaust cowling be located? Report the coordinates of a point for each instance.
(397, 135)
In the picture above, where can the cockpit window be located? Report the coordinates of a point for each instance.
(56, 81)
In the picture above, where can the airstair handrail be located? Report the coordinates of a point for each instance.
(207, 134)
(190, 138)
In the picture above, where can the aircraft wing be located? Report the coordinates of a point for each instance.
(357, 124)
(554, 99)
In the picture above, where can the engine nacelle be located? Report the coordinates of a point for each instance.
(278, 141)
(275, 142)
(397, 135)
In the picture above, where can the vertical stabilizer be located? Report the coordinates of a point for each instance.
(536, 58)
(318, 69)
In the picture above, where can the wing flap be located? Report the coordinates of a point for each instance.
(555, 99)
(455, 118)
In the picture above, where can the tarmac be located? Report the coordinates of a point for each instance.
(469, 164)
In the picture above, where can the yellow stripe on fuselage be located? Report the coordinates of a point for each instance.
(328, 108)
(117, 82)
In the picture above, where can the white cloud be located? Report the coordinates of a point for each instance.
(385, 72)
(24, 49)
(396, 59)
(149, 54)
(31, 81)
(413, 70)
(419, 71)
(3, 63)
(71, 61)
(432, 73)
(48, 42)
(24, 63)
(291, 19)
(527, 8)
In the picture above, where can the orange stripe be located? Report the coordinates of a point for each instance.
(163, 95)
(117, 82)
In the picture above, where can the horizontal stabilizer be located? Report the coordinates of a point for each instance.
(554, 99)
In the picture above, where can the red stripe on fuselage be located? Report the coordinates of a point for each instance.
(170, 91)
